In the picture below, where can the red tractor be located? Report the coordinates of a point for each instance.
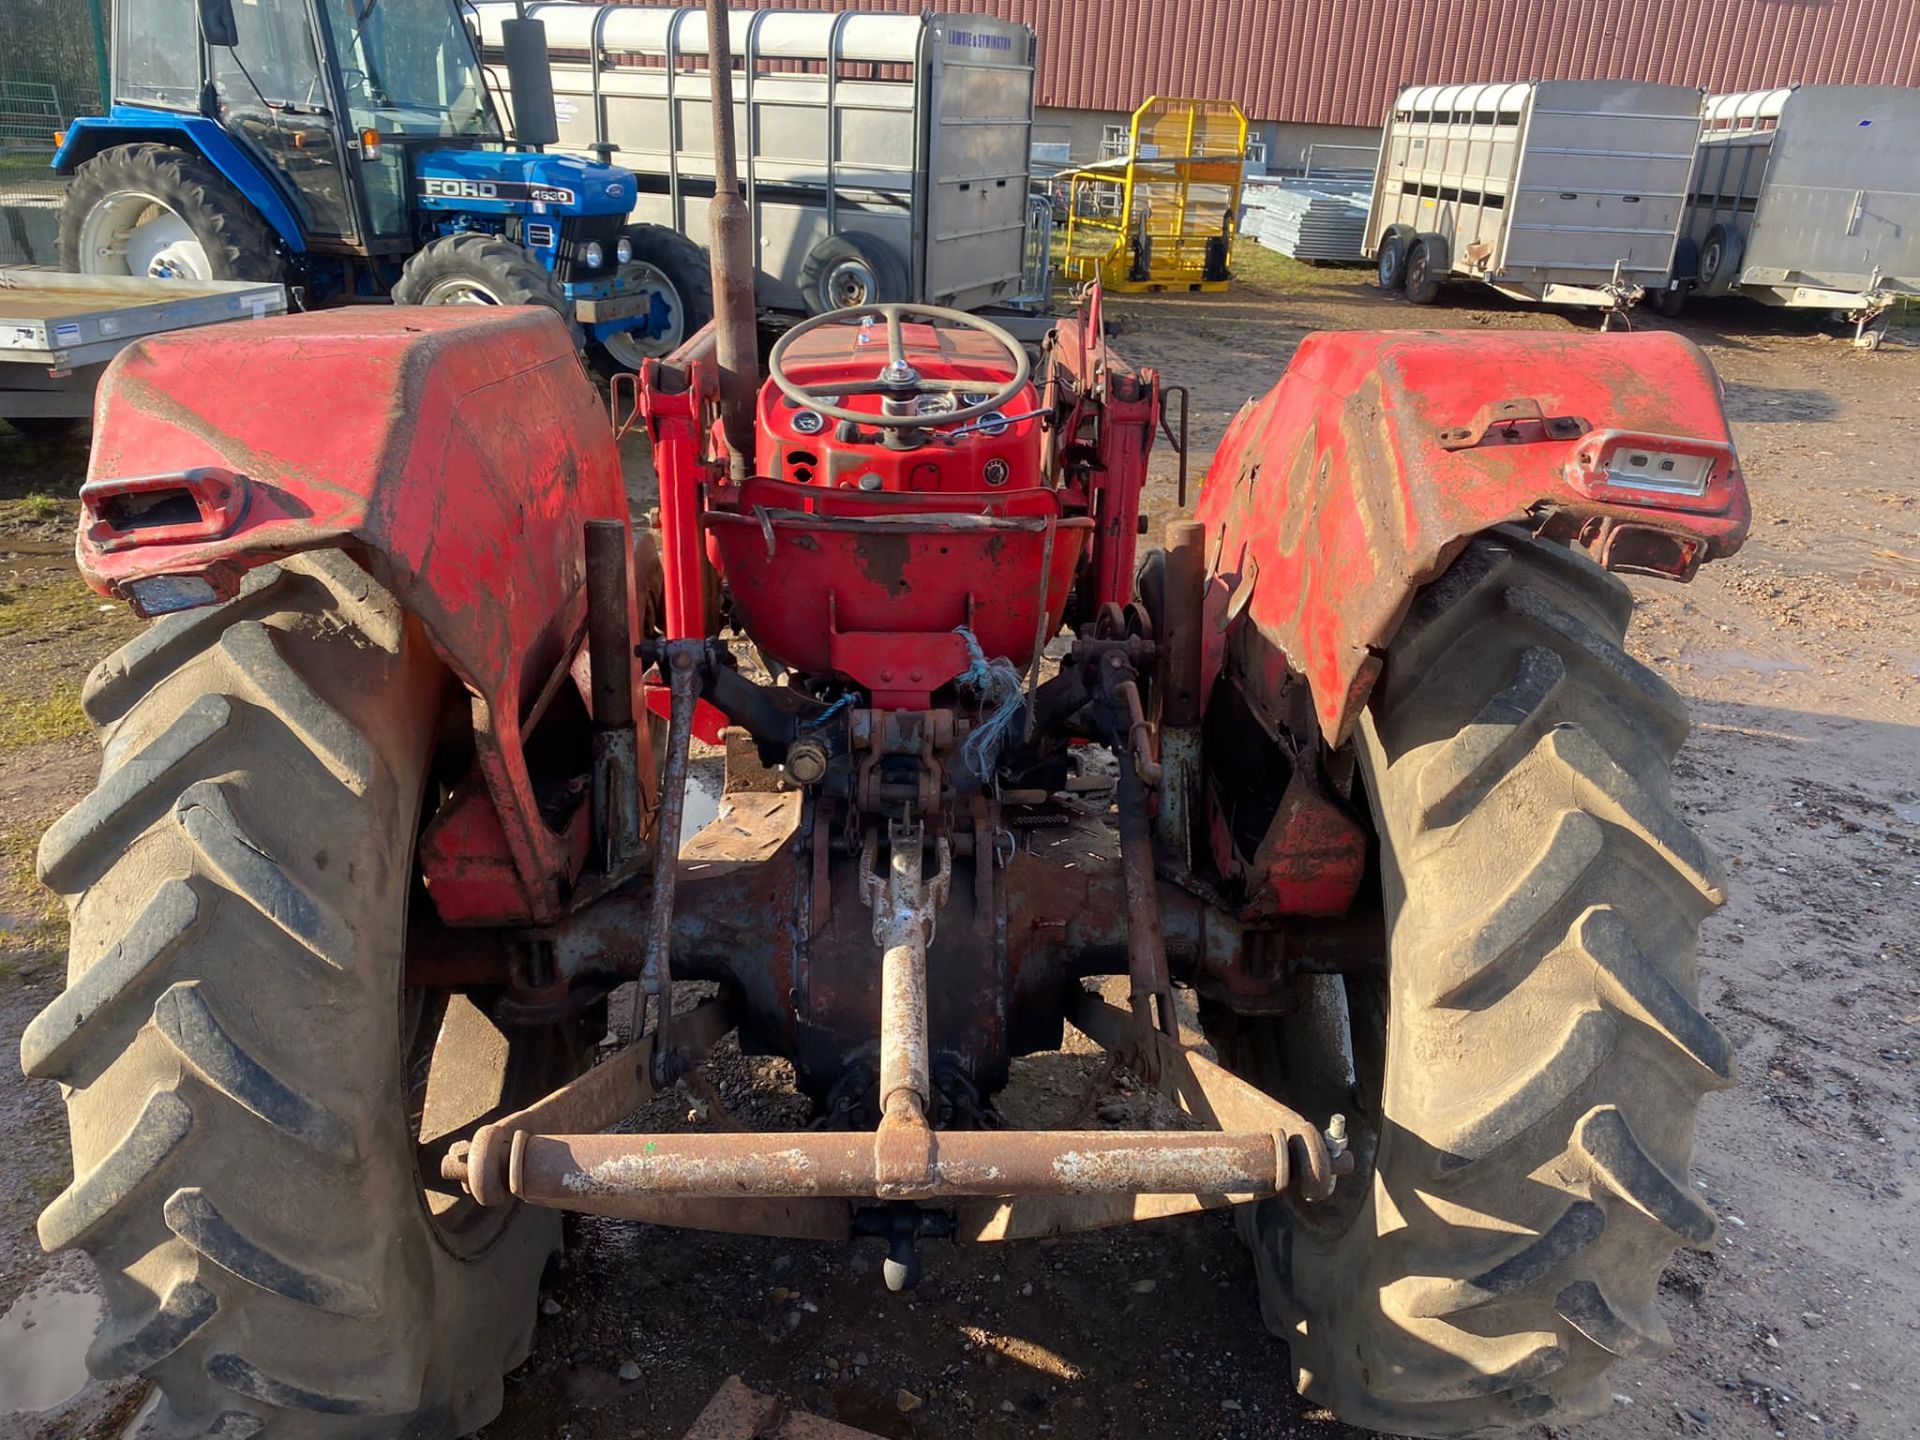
(392, 797)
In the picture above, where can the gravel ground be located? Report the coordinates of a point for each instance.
(1801, 658)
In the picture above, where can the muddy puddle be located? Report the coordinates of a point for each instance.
(35, 555)
(43, 1348)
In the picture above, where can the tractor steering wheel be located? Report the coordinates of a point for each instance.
(898, 380)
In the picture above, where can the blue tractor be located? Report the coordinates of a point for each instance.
(352, 149)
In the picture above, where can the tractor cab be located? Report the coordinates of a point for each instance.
(335, 101)
(352, 148)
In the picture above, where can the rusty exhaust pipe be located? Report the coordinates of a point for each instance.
(732, 259)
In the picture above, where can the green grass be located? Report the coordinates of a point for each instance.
(53, 609)
(35, 508)
(41, 916)
(52, 630)
(41, 719)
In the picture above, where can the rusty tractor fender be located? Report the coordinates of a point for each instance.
(1362, 474)
(406, 435)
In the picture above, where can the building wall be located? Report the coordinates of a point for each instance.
(1340, 62)
(1081, 131)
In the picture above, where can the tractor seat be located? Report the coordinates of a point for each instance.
(869, 586)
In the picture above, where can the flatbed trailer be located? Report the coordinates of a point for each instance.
(58, 331)
(1567, 192)
(1806, 197)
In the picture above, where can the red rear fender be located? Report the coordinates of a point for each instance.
(458, 452)
(1358, 478)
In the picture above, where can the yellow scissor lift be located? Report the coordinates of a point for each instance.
(1161, 216)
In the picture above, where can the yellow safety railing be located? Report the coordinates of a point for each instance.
(1162, 216)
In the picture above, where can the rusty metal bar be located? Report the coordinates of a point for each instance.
(616, 772)
(568, 1171)
(1146, 941)
(1216, 1096)
(656, 977)
(732, 225)
(900, 928)
(603, 1096)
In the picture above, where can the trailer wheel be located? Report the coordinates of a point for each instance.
(1521, 1083)
(254, 1097)
(670, 261)
(851, 269)
(1391, 266)
(1720, 255)
(1427, 265)
(153, 210)
(480, 269)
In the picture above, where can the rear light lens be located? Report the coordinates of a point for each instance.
(164, 594)
(1657, 470)
(1664, 472)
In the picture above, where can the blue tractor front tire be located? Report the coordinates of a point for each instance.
(481, 269)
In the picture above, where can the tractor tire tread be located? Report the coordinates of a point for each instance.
(1516, 761)
(230, 1008)
(518, 277)
(239, 243)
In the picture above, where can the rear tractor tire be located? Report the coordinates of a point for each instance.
(253, 1095)
(1521, 1084)
(154, 210)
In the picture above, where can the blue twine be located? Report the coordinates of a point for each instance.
(997, 684)
(827, 714)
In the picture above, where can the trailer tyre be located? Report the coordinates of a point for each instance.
(479, 269)
(1427, 265)
(851, 269)
(1391, 264)
(1525, 1077)
(156, 210)
(249, 1081)
(1720, 256)
(679, 267)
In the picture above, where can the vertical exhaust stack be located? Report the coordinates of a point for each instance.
(733, 308)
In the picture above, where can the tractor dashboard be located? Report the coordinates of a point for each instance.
(949, 442)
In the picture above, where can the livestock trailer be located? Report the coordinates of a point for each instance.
(1568, 191)
(1807, 196)
(883, 157)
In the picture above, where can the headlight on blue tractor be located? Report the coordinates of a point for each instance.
(623, 252)
(591, 255)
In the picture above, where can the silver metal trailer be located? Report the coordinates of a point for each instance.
(1568, 191)
(884, 157)
(1807, 196)
(58, 331)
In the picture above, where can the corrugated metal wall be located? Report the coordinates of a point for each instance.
(1339, 62)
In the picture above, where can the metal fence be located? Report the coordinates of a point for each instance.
(53, 67)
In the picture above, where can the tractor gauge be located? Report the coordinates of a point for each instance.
(995, 472)
(809, 422)
(994, 422)
(975, 397)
